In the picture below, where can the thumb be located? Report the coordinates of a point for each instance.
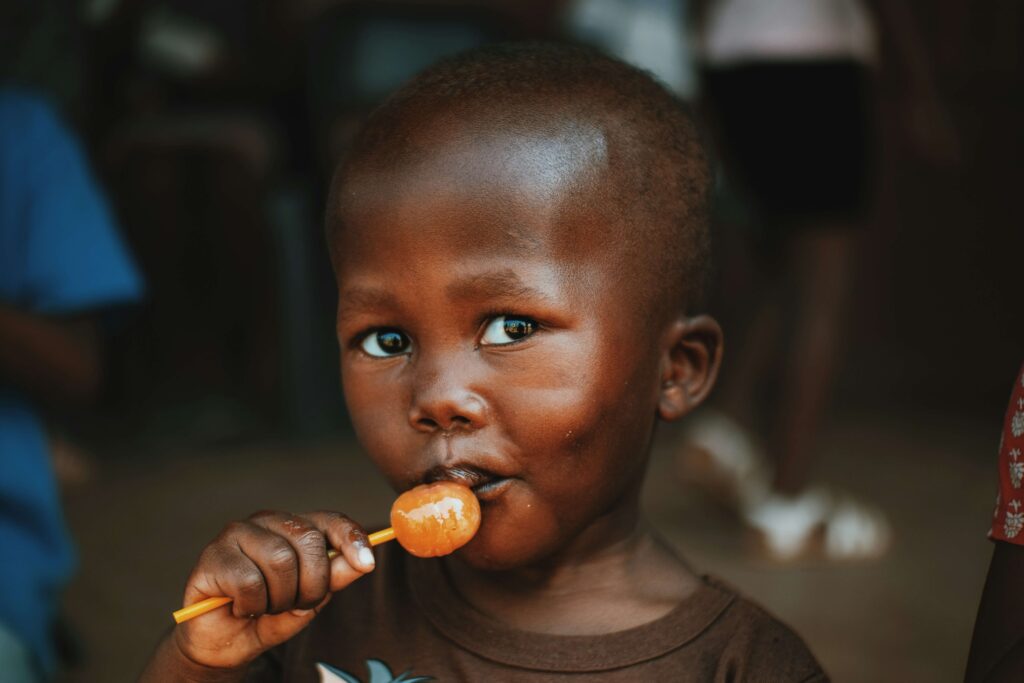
(274, 629)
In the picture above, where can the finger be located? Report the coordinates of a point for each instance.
(310, 547)
(223, 569)
(349, 539)
(276, 559)
(314, 610)
(277, 628)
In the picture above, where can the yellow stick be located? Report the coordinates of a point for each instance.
(382, 536)
(203, 606)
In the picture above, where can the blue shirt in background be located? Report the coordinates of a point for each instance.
(59, 254)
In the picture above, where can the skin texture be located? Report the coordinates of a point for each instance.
(553, 428)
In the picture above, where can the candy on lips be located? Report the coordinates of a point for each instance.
(435, 519)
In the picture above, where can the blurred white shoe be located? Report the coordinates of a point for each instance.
(786, 525)
(819, 524)
(857, 531)
(721, 458)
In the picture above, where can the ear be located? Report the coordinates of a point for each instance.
(691, 354)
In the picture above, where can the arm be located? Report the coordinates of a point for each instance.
(997, 648)
(54, 360)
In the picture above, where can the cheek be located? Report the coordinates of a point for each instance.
(588, 412)
(580, 452)
(562, 422)
(376, 408)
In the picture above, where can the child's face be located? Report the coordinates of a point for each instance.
(489, 335)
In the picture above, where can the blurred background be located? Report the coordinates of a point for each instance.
(212, 128)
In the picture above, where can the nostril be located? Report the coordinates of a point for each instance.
(455, 422)
(427, 423)
(443, 414)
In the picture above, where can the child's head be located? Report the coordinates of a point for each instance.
(518, 235)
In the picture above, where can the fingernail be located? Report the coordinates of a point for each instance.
(366, 557)
(301, 612)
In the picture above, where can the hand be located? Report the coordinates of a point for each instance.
(275, 567)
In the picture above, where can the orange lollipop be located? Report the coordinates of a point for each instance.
(435, 519)
(429, 521)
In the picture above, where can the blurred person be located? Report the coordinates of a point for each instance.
(997, 648)
(42, 44)
(653, 35)
(785, 88)
(519, 236)
(61, 266)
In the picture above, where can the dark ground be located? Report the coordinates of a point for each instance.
(141, 522)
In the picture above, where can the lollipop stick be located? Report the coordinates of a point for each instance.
(382, 536)
(203, 606)
(197, 608)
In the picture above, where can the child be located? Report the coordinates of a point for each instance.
(518, 236)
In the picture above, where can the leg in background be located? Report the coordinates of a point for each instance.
(821, 263)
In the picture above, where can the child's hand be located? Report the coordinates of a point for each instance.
(275, 567)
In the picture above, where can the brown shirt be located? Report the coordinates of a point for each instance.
(407, 618)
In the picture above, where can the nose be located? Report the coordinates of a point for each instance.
(444, 402)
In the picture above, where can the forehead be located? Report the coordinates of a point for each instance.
(479, 183)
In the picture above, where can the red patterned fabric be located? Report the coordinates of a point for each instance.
(1008, 517)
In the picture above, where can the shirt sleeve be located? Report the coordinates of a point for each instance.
(74, 259)
(1008, 516)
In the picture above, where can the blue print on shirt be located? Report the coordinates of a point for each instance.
(378, 672)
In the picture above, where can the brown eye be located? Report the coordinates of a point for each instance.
(383, 343)
(506, 329)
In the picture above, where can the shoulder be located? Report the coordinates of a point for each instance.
(31, 134)
(40, 157)
(758, 646)
(26, 117)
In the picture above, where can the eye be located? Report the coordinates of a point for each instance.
(506, 329)
(384, 343)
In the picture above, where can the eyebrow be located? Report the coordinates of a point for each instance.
(499, 283)
(357, 299)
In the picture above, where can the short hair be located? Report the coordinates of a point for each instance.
(660, 170)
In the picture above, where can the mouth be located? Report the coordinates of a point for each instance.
(486, 485)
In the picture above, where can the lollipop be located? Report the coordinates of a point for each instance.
(429, 521)
(435, 519)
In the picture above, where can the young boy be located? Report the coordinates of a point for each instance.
(518, 236)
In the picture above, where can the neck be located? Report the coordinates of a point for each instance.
(613, 576)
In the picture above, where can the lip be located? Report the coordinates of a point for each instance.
(486, 485)
(492, 489)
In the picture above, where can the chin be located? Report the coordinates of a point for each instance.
(499, 552)
(479, 556)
